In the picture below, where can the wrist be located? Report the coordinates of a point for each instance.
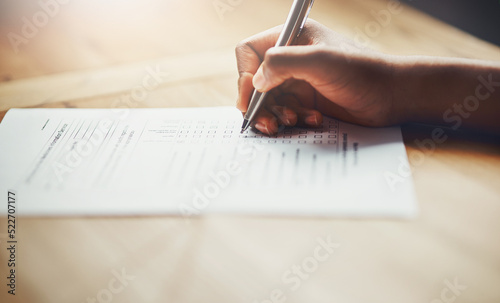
(404, 87)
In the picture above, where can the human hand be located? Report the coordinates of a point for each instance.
(324, 73)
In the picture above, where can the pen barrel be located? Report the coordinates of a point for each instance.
(294, 22)
(291, 30)
(255, 104)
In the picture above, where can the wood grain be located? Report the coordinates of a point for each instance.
(93, 52)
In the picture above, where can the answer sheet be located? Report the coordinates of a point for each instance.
(192, 161)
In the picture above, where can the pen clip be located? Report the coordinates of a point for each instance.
(305, 18)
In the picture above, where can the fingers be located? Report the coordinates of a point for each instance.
(321, 74)
(286, 115)
(304, 116)
(309, 63)
(249, 56)
(287, 112)
(245, 90)
(309, 117)
(250, 52)
(272, 116)
(266, 122)
(264, 67)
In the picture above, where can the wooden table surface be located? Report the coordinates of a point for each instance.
(90, 53)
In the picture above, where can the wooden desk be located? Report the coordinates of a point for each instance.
(92, 52)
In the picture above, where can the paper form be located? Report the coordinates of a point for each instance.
(192, 161)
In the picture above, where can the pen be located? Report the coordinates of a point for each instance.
(292, 29)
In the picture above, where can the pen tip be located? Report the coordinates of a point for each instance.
(244, 126)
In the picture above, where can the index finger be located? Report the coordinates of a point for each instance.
(250, 52)
(249, 55)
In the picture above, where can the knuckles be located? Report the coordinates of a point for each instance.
(241, 47)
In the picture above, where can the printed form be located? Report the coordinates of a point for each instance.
(192, 161)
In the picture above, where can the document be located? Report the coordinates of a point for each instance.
(194, 161)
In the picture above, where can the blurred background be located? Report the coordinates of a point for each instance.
(480, 18)
(50, 36)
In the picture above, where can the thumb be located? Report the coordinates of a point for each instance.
(309, 63)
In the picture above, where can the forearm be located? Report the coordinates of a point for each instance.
(457, 93)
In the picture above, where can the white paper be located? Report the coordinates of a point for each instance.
(192, 161)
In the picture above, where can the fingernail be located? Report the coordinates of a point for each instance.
(259, 81)
(290, 118)
(261, 127)
(311, 120)
(280, 112)
(287, 119)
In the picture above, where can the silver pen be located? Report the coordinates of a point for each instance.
(291, 30)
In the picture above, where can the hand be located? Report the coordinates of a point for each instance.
(324, 74)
